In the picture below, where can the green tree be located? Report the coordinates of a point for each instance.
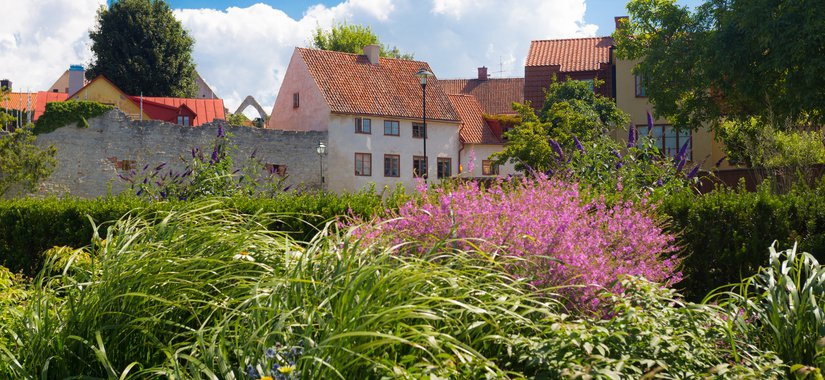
(730, 60)
(571, 109)
(23, 165)
(351, 38)
(142, 48)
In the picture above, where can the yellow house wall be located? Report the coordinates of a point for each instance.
(705, 146)
(103, 92)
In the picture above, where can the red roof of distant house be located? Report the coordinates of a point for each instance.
(496, 96)
(20, 101)
(205, 110)
(474, 130)
(352, 85)
(572, 55)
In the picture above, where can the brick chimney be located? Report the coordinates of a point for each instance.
(371, 51)
(5, 84)
(619, 20)
(76, 78)
(482, 73)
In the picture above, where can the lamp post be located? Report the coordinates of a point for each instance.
(321, 150)
(423, 75)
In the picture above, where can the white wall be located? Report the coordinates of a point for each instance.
(482, 152)
(313, 111)
(443, 141)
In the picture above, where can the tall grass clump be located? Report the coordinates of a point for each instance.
(782, 308)
(560, 237)
(207, 293)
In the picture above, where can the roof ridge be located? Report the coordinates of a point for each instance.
(354, 54)
(571, 39)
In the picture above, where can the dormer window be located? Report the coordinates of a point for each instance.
(183, 120)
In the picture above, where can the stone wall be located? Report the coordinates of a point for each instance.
(90, 159)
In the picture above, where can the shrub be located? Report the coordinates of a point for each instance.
(560, 238)
(59, 114)
(782, 307)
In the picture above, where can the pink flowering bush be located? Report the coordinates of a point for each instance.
(559, 237)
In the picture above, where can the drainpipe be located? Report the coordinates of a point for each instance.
(462, 148)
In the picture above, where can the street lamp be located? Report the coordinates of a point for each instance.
(321, 150)
(423, 75)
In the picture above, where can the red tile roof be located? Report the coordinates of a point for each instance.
(578, 54)
(205, 110)
(474, 130)
(20, 101)
(351, 85)
(496, 96)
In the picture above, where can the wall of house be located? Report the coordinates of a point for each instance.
(102, 92)
(482, 152)
(90, 159)
(538, 78)
(312, 113)
(443, 141)
(705, 147)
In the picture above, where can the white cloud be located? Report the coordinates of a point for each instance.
(245, 51)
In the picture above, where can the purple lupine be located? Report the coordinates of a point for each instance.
(557, 148)
(649, 123)
(578, 144)
(631, 136)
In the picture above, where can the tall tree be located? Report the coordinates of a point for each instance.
(351, 38)
(142, 48)
(730, 59)
(23, 165)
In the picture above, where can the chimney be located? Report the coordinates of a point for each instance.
(5, 84)
(482, 73)
(76, 78)
(371, 51)
(619, 20)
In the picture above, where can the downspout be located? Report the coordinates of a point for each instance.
(460, 127)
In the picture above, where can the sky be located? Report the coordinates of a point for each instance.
(243, 47)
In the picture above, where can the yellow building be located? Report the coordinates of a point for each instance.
(103, 91)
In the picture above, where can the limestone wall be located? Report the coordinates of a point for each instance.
(90, 159)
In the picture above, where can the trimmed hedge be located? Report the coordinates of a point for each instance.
(724, 234)
(59, 114)
(28, 227)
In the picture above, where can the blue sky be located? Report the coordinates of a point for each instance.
(243, 47)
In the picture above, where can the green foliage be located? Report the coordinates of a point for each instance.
(238, 119)
(59, 114)
(727, 59)
(783, 308)
(351, 38)
(722, 232)
(143, 49)
(757, 145)
(23, 165)
(652, 334)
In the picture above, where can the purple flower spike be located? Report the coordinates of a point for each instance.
(221, 132)
(719, 163)
(693, 172)
(160, 166)
(617, 154)
(193, 152)
(578, 144)
(556, 147)
(682, 151)
(659, 183)
(619, 165)
(631, 136)
(680, 165)
(649, 123)
(549, 172)
(214, 157)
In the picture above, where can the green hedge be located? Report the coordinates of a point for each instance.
(28, 227)
(725, 234)
(59, 114)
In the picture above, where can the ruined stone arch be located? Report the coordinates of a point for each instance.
(250, 101)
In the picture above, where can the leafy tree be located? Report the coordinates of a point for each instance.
(142, 48)
(349, 38)
(23, 165)
(735, 59)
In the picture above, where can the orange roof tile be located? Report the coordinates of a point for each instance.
(474, 130)
(351, 85)
(496, 96)
(205, 110)
(20, 101)
(577, 54)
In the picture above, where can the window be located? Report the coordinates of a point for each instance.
(419, 166)
(183, 120)
(392, 165)
(668, 140)
(444, 167)
(391, 127)
(591, 84)
(488, 167)
(363, 125)
(641, 91)
(418, 130)
(363, 164)
(296, 100)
